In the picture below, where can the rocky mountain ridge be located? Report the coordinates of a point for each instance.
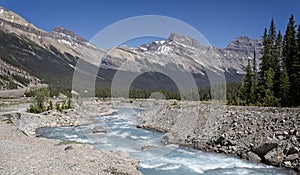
(37, 53)
(64, 40)
(186, 54)
(59, 32)
(62, 48)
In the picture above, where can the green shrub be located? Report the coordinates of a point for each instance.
(40, 97)
(50, 106)
(57, 106)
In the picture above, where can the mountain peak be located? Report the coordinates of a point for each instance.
(185, 40)
(59, 30)
(243, 38)
(244, 42)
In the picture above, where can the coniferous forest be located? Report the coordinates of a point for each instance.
(277, 83)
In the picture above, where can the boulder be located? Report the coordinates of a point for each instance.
(220, 140)
(169, 138)
(293, 150)
(99, 129)
(122, 154)
(251, 157)
(287, 164)
(139, 126)
(292, 157)
(280, 137)
(274, 157)
(262, 149)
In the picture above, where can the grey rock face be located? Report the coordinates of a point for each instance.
(245, 45)
(185, 40)
(64, 32)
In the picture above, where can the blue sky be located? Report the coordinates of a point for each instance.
(220, 21)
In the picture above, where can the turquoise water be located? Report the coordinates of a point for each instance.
(155, 158)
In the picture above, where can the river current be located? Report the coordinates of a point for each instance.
(155, 158)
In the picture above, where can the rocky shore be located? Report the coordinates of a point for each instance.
(258, 134)
(28, 122)
(23, 153)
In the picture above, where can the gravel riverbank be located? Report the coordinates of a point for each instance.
(23, 153)
(258, 134)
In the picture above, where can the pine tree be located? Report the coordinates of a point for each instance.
(269, 99)
(272, 33)
(289, 45)
(240, 100)
(254, 84)
(275, 44)
(254, 63)
(265, 60)
(269, 63)
(290, 60)
(245, 89)
(284, 87)
(248, 84)
(276, 59)
(298, 39)
(296, 73)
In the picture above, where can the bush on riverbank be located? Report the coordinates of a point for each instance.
(43, 103)
(40, 96)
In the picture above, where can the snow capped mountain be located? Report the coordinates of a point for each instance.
(69, 38)
(185, 53)
(61, 49)
(185, 40)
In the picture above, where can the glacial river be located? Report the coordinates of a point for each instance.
(155, 158)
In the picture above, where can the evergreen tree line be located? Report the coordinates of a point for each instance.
(203, 94)
(278, 81)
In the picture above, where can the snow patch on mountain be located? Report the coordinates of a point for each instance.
(64, 41)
